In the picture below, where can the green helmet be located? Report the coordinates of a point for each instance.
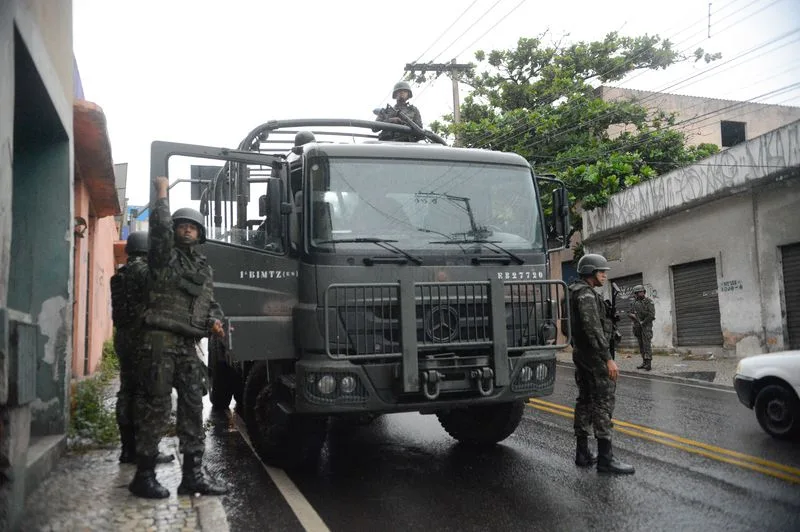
(303, 137)
(187, 214)
(591, 263)
(138, 243)
(638, 288)
(402, 85)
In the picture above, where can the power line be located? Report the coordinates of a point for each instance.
(466, 30)
(653, 94)
(507, 136)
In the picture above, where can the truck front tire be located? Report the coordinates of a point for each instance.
(482, 425)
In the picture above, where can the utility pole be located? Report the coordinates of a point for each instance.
(452, 68)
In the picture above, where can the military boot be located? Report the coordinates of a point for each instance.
(642, 365)
(647, 365)
(606, 463)
(584, 457)
(194, 481)
(144, 483)
(128, 441)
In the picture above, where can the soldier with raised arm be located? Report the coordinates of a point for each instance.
(595, 371)
(181, 310)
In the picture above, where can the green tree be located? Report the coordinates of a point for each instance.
(541, 101)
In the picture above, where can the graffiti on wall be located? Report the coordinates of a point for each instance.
(735, 167)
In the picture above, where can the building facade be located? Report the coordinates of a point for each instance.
(717, 244)
(53, 201)
(725, 123)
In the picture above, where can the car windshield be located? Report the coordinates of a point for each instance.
(421, 205)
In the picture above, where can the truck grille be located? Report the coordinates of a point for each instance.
(364, 320)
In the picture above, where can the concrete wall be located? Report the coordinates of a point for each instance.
(700, 118)
(36, 162)
(737, 207)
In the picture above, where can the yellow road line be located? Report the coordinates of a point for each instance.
(753, 463)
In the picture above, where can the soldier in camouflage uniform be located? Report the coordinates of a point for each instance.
(128, 300)
(401, 93)
(181, 310)
(595, 371)
(642, 314)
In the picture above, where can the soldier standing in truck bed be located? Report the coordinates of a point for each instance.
(181, 310)
(401, 93)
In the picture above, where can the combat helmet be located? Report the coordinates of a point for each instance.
(638, 288)
(591, 263)
(187, 214)
(138, 243)
(402, 85)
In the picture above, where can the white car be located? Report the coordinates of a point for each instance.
(770, 384)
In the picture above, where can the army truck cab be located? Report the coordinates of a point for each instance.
(361, 277)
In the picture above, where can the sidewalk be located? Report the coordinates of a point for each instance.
(88, 491)
(699, 370)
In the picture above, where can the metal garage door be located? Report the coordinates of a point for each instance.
(624, 302)
(696, 303)
(791, 292)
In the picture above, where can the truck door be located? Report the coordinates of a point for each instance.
(245, 203)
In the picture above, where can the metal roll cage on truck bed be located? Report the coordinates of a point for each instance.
(366, 277)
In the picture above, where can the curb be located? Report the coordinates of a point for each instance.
(211, 514)
(665, 378)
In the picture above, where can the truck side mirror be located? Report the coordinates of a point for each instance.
(560, 218)
(273, 204)
(262, 206)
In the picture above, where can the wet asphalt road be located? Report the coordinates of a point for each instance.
(403, 472)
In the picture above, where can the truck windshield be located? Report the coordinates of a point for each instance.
(422, 205)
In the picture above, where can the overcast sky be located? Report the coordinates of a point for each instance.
(208, 72)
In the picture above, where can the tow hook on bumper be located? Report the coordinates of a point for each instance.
(430, 383)
(484, 378)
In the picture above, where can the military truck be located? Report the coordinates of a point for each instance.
(362, 277)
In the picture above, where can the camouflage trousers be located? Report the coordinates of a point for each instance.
(595, 404)
(645, 337)
(126, 351)
(167, 360)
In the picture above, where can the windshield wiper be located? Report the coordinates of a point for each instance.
(381, 242)
(491, 244)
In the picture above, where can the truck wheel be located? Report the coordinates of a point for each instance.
(281, 439)
(778, 411)
(222, 376)
(482, 425)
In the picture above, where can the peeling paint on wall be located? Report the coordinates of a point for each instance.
(51, 322)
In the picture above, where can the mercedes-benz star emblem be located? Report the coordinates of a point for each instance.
(441, 324)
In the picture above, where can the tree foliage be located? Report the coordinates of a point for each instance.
(542, 101)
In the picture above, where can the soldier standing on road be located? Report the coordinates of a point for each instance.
(180, 311)
(642, 314)
(595, 371)
(129, 288)
(401, 93)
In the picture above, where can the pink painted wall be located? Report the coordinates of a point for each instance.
(94, 266)
(101, 328)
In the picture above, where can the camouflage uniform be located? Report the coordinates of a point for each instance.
(391, 112)
(128, 301)
(180, 312)
(591, 331)
(645, 313)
